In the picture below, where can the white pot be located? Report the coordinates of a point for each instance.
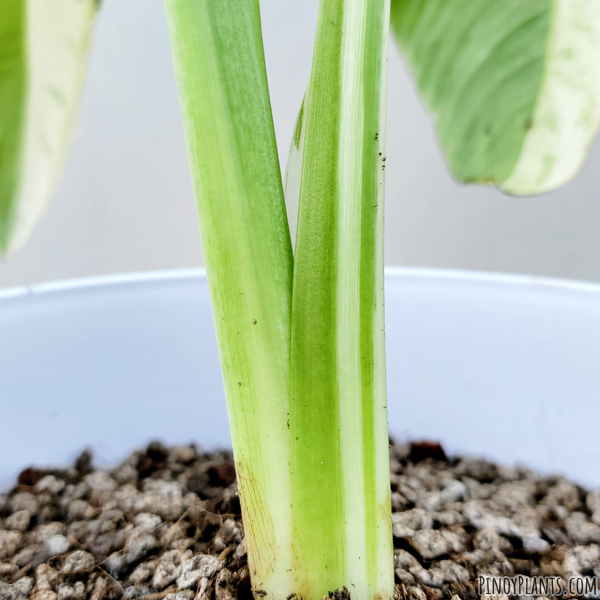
(505, 367)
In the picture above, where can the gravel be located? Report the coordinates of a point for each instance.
(165, 524)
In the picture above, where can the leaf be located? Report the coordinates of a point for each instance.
(513, 85)
(43, 51)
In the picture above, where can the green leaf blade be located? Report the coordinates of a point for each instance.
(514, 86)
(43, 56)
(220, 70)
(12, 105)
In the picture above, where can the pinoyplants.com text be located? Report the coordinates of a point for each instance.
(538, 586)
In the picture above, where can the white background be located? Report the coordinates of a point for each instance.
(126, 204)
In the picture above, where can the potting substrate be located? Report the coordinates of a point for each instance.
(166, 524)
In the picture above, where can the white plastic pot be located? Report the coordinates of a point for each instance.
(505, 367)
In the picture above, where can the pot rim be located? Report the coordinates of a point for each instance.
(459, 275)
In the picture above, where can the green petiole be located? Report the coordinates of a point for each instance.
(339, 457)
(219, 63)
(316, 502)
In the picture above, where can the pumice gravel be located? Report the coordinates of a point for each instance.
(166, 524)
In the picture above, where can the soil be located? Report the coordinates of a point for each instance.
(166, 524)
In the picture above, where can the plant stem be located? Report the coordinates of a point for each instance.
(219, 61)
(338, 417)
